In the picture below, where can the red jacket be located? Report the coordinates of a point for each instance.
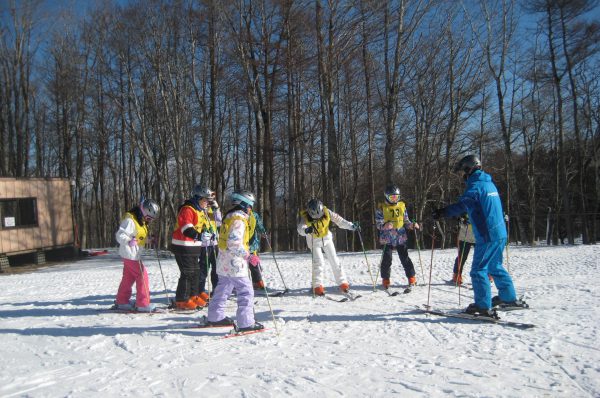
(188, 217)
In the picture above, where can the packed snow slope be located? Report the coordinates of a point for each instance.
(56, 342)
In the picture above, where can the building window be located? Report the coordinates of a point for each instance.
(18, 213)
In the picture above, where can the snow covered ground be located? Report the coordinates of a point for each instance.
(56, 342)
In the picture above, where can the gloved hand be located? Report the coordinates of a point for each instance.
(253, 260)
(206, 236)
(355, 226)
(192, 233)
(133, 242)
(506, 218)
(464, 219)
(213, 204)
(309, 230)
(415, 225)
(387, 226)
(438, 213)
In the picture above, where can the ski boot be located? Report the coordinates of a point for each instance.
(412, 281)
(385, 282)
(251, 328)
(200, 302)
(260, 285)
(457, 279)
(147, 308)
(473, 309)
(227, 321)
(319, 290)
(344, 287)
(518, 303)
(124, 307)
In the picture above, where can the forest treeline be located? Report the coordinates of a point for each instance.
(294, 99)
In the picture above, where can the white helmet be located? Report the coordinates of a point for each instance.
(315, 208)
(202, 192)
(392, 194)
(243, 197)
(149, 208)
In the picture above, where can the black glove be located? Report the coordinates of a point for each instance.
(192, 233)
(309, 230)
(464, 219)
(438, 213)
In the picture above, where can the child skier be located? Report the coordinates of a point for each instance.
(232, 266)
(466, 239)
(186, 244)
(131, 236)
(314, 225)
(209, 238)
(392, 221)
(482, 202)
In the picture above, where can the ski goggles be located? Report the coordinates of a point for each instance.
(393, 198)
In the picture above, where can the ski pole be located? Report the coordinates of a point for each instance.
(276, 264)
(419, 251)
(507, 242)
(312, 252)
(162, 274)
(366, 259)
(431, 263)
(268, 303)
(208, 265)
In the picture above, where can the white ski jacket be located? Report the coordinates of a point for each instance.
(321, 242)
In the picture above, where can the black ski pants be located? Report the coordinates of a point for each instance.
(189, 267)
(255, 274)
(386, 261)
(208, 257)
(463, 252)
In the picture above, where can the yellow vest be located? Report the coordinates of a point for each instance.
(141, 231)
(210, 224)
(321, 225)
(393, 213)
(225, 229)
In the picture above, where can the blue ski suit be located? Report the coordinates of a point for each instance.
(482, 202)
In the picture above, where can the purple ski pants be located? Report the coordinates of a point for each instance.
(245, 300)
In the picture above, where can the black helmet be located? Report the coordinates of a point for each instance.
(392, 194)
(468, 165)
(315, 208)
(149, 208)
(202, 192)
(243, 197)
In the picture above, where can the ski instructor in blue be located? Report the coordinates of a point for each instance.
(482, 202)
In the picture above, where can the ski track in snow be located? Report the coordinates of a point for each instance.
(56, 342)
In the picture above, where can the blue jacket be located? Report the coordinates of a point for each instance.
(482, 201)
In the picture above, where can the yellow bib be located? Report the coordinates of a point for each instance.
(226, 227)
(393, 213)
(141, 231)
(210, 223)
(321, 225)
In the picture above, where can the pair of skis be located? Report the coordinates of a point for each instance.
(346, 296)
(272, 293)
(232, 333)
(481, 318)
(393, 293)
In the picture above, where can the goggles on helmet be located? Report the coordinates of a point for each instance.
(393, 198)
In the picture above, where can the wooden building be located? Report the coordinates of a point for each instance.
(35, 217)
